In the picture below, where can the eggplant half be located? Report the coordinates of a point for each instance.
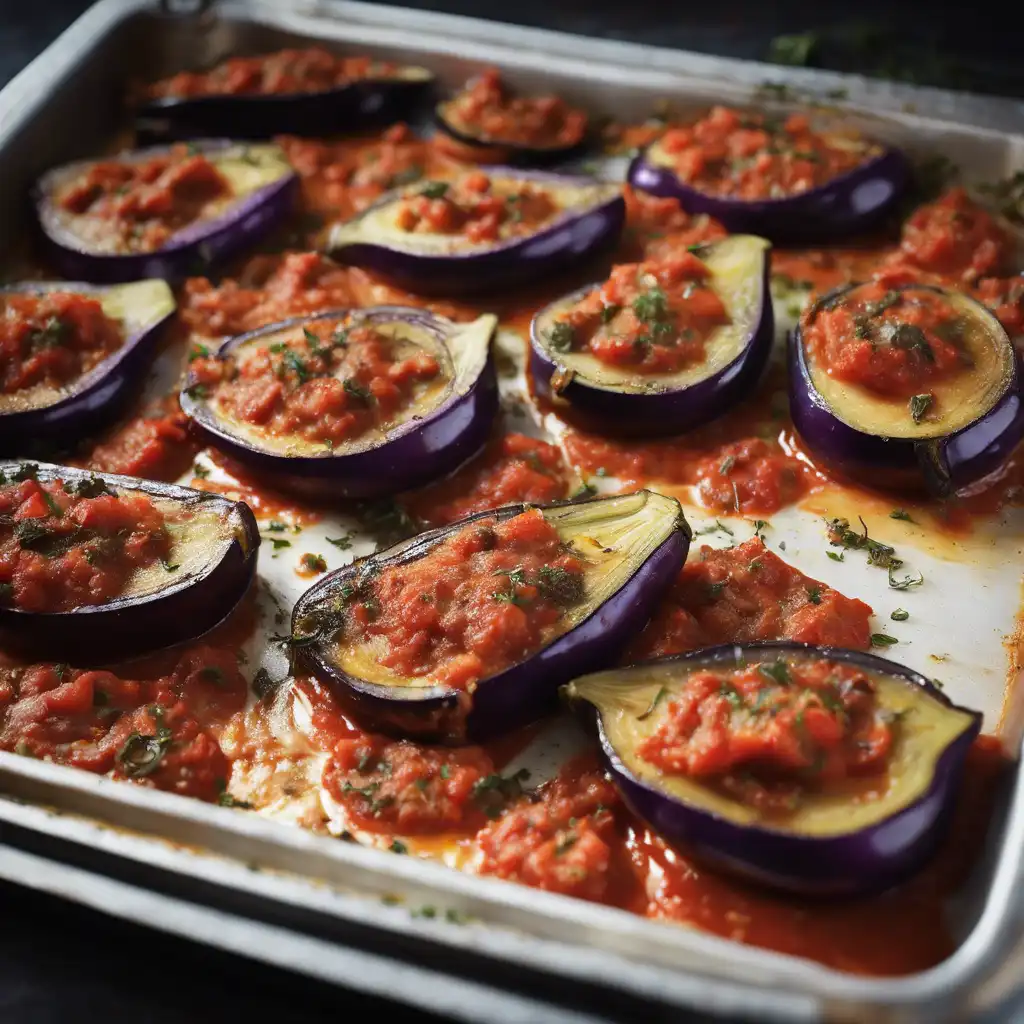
(634, 546)
(210, 567)
(448, 422)
(831, 843)
(848, 204)
(589, 219)
(263, 191)
(627, 402)
(942, 446)
(359, 105)
(448, 120)
(43, 416)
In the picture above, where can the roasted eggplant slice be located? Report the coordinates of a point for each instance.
(812, 769)
(335, 95)
(495, 633)
(906, 386)
(99, 567)
(85, 351)
(362, 404)
(487, 117)
(719, 358)
(164, 212)
(779, 177)
(492, 228)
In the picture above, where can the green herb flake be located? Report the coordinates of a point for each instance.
(814, 595)
(342, 543)
(777, 671)
(397, 846)
(199, 471)
(898, 513)
(434, 189)
(560, 336)
(652, 707)
(883, 640)
(793, 50)
(357, 391)
(900, 615)
(836, 556)
(919, 406)
(314, 563)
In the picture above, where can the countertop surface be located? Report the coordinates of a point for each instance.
(62, 963)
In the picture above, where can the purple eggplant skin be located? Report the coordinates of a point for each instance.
(514, 697)
(413, 454)
(361, 105)
(574, 236)
(513, 153)
(99, 396)
(849, 204)
(859, 863)
(941, 466)
(194, 250)
(192, 603)
(658, 412)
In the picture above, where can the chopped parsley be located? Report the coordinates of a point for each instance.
(141, 754)
(919, 406)
(342, 543)
(898, 513)
(493, 792)
(356, 390)
(314, 563)
(836, 556)
(560, 336)
(199, 471)
(900, 615)
(652, 707)
(397, 846)
(651, 306)
(883, 640)
(793, 50)
(777, 671)
(559, 585)
(434, 189)
(814, 595)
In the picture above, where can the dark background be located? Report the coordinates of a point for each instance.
(62, 964)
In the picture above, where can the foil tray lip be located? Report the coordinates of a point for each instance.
(810, 987)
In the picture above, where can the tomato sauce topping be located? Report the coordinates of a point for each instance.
(660, 229)
(66, 545)
(341, 178)
(956, 238)
(287, 71)
(476, 207)
(744, 594)
(397, 786)
(562, 841)
(156, 445)
(158, 732)
(894, 342)
(487, 110)
(137, 206)
(272, 288)
(53, 339)
(512, 468)
(650, 317)
(483, 599)
(753, 156)
(1005, 297)
(333, 384)
(768, 733)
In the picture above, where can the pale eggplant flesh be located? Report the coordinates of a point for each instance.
(634, 546)
(831, 844)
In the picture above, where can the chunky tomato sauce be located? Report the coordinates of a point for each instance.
(335, 383)
(156, 445)
(748, 593)
(53, 339)
(660, 229)
(895, 342)
(482, 600)
(487, 110)
(767, 734)
(157, 731)
(512, 468)
(754, 156)
(650, 317)
(67, 545)
(137, 206)
(286, 71)
(341, 178)
(473, 208)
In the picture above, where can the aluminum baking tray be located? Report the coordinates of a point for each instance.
(350, 914)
